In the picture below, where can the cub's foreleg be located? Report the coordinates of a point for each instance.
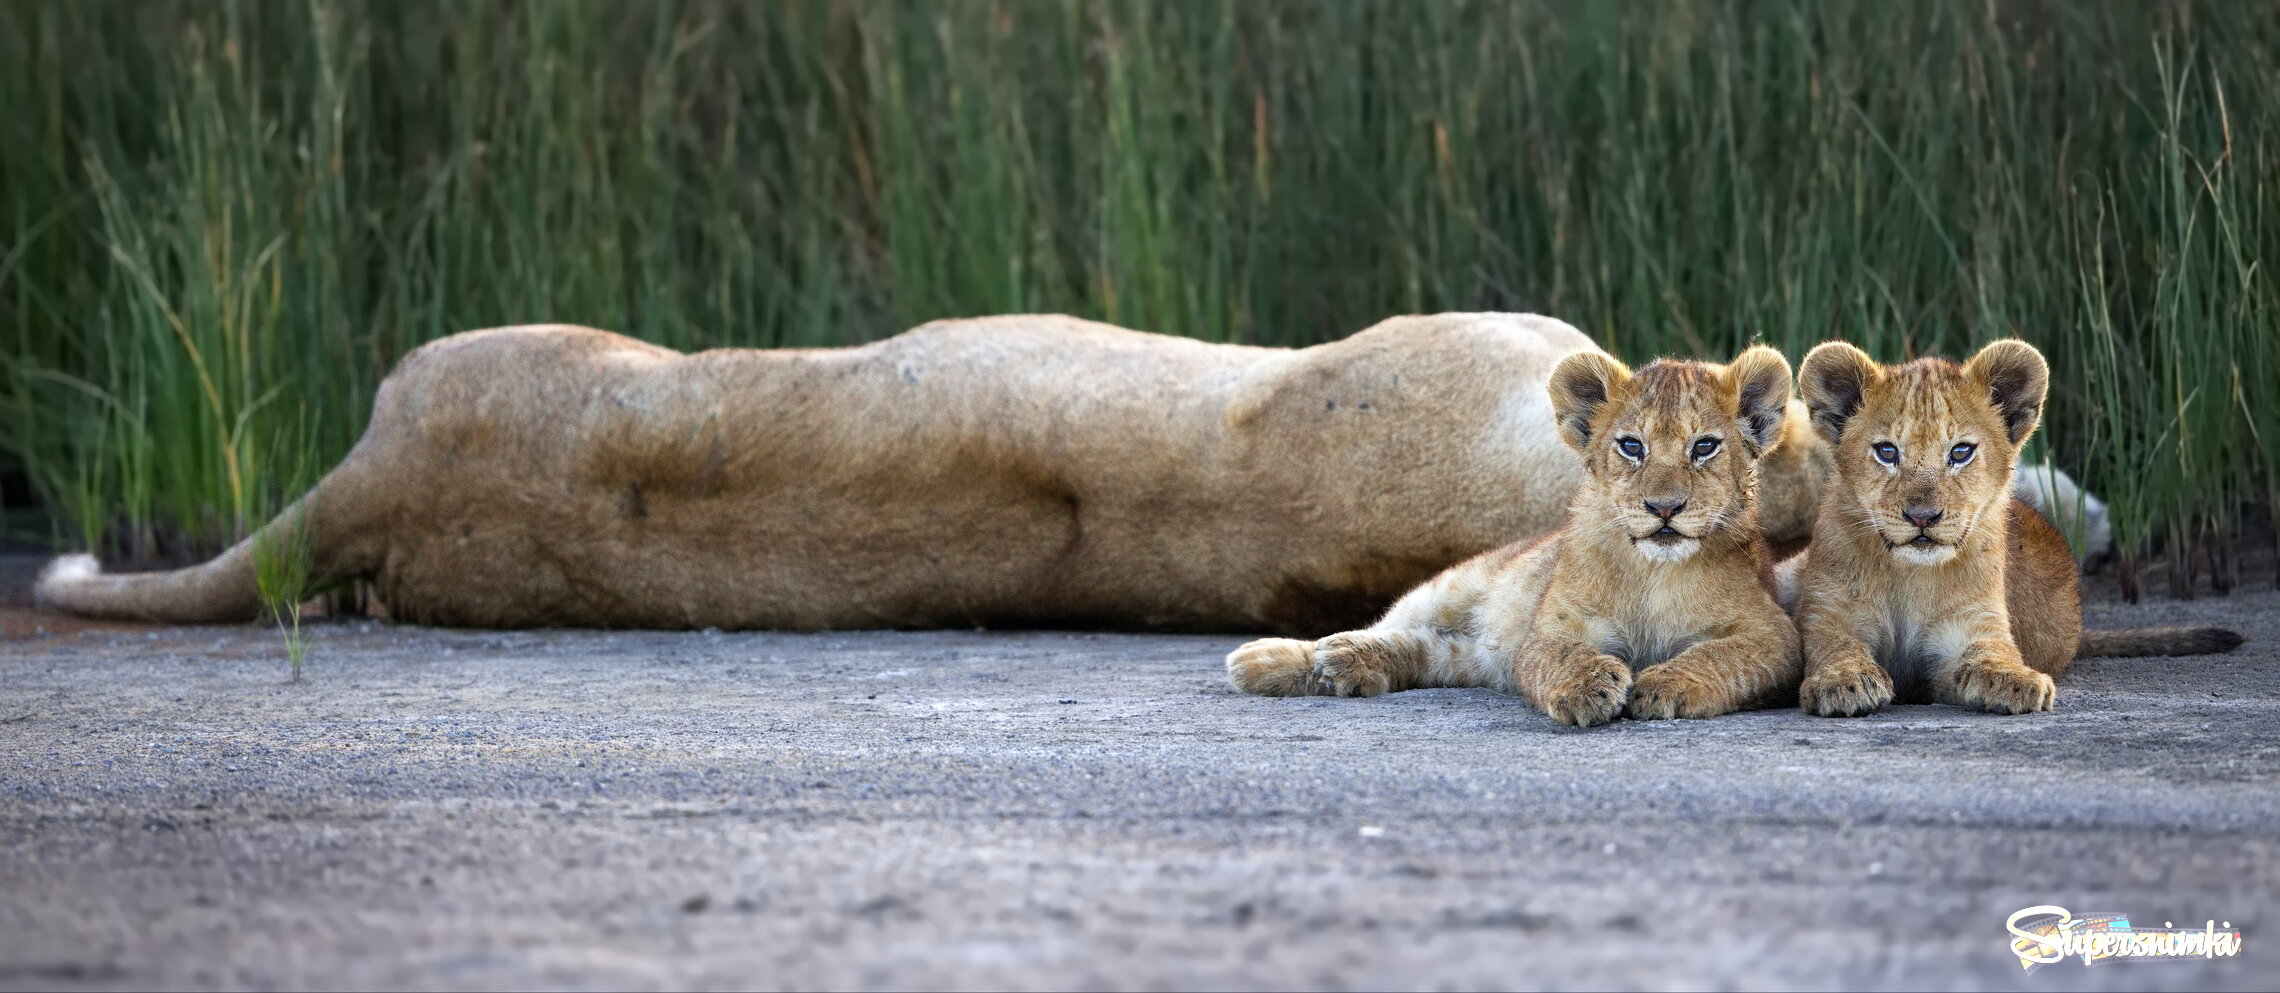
(1752, 666)
(1274, 667)
(1574, 682)
(1374, 661)
(1991, 675)
(1423, 640)
(1842, 677)
(1353, 663)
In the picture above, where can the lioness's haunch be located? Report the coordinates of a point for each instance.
(1927, 579)
(1661, 568)
(1010, 470)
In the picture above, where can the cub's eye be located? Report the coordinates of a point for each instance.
(1704, 446)
(1887, 453)
(1631, 448)
(1961, 454)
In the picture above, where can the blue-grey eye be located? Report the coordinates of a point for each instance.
(1631, 448)
(1961, 454)
(1887, 453)
(1704, 446)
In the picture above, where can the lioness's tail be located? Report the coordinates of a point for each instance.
(225, 589)
(2136, 642)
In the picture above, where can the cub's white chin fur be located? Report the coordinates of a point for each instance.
(1678, 551)
(1923, 554)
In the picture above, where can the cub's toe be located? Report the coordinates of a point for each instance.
(1273, 667)
(1594, 697)
(2008, 690)
(1355, 663)
(1845, 690)
(1662, 693)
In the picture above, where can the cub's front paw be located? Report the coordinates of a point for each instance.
(1593, 695)
(2003, 688)
(1357, 663)
(1845, 688)
(1273, 667)
(1665, 691)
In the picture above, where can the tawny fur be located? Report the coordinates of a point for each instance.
(1975, 602)
(1007, 470)
(1654, 600)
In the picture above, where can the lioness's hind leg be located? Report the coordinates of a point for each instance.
(1274, 667)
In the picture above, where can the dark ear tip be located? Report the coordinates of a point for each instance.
(1587, 362)
(1835, 358)
(1835, 366)
(1829, 350)
(1587, 375)
(2012, 355)
(1762, 356)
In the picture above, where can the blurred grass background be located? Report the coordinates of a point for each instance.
(220, 222)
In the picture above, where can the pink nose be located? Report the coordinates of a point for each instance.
(1922, 517)
(1665, 509)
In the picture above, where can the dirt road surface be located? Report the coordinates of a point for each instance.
(569, 809)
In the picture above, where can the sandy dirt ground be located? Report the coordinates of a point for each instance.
(571, 809)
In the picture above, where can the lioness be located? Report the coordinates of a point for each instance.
(1661, 567)
(1004, 470)
(1926, 577)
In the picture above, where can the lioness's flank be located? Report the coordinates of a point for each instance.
(1926, 578)
(1661, 567)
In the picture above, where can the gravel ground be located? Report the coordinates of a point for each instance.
(573, 809)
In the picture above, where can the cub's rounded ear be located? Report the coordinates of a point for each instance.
(1760, 378)
(1833, 379)
(2017, 380)
(1580, 385)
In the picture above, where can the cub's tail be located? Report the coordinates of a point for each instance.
(2138, 642)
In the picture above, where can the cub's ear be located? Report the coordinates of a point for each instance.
(1760, 377)
(1580, 385)
(2017, 379)
(1834, 378)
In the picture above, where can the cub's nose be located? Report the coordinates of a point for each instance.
(1922, 517)
(1666, 508)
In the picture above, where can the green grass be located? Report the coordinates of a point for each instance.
(221, 222)
(284, 559)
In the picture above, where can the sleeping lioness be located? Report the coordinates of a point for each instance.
(1005, 471)
(1661, 570)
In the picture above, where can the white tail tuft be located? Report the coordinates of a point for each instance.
(2077, 513)
(66, 570)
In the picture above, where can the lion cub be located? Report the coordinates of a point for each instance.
(1925, 575)
(1660, 569)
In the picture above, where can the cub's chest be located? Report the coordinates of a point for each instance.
(1640, 645)
(1912, 646)
(1650, 627)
